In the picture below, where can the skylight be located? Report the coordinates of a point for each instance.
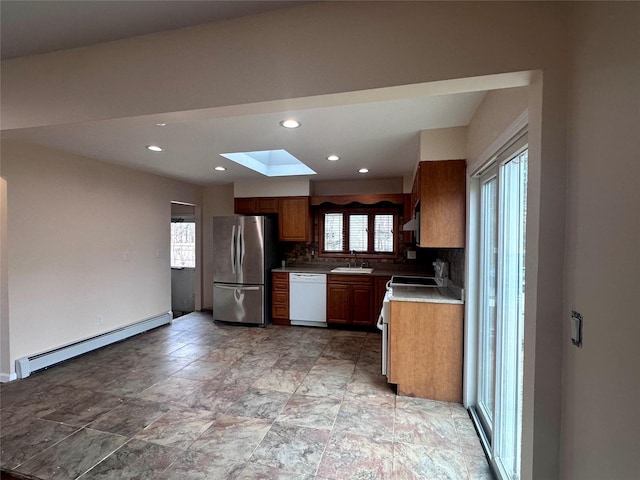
(271, 163)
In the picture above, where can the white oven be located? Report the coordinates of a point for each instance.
(383, 325)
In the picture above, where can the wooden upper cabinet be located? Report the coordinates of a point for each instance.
(255, 205)
(244, 206)
(267, 204)
(442, 198)
(415, 189)
(294, 219)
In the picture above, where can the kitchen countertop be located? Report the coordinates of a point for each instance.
(385, 271)
(451, 294)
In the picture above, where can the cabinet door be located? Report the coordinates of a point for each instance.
(362, 313)
(267, 205)
(338, 303)
(244, 206)
(442, 203)
(426, 349)
(293, 219)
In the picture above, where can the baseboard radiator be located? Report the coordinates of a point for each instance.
(26, 365)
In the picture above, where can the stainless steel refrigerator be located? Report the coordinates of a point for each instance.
(244, 252)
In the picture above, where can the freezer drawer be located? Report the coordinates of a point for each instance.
(239, 303)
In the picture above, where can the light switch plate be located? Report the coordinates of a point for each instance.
(576, 329)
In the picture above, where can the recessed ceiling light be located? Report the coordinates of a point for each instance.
(290, 123)
(155, 148)
(160, 124)
(220, 168)
(364, 170)
(333, 158)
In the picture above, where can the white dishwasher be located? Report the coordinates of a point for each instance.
(308, 299)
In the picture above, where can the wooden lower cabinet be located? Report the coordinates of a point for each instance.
(349, 300)
(426, 349)
(338, 303)
(280, 298)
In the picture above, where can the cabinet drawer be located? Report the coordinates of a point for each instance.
(280, 298)
(280, 286)
(280, 311)
(281, 277)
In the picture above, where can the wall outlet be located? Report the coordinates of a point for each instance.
(126, 256)
(411, 254)
(99, 320)
(158, 253)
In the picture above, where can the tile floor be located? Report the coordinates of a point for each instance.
(198, 400)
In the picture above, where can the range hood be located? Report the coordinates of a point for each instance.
(412, 225)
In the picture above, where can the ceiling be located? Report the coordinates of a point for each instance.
(378, 130)
(30, 27)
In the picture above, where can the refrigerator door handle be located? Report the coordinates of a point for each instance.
(241, 247)
(230, 287)
(233, 249)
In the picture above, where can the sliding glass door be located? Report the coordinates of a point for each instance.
(487, 318)
(500, 314)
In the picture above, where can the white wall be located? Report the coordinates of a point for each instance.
(443, 144)
(216, 201)
(70, 221)
(601, 381)
(357, 187)
(496, 112)
(272, 187)
(392, 43)
(5, 345)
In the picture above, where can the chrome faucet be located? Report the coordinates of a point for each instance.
(355, 259)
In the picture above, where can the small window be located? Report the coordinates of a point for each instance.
(371, 232)
(333, 232)
(183, 245)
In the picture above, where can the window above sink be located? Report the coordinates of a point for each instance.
(370, 232)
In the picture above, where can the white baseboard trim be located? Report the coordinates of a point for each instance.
(26, 365)
(8, 377)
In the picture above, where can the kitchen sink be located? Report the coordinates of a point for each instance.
(359, 270)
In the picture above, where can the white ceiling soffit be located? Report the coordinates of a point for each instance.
(377, 129)
(382, 136)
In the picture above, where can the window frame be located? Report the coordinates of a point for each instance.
(346, 213)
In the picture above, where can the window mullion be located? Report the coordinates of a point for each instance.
(346, 248)
(371, 234)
